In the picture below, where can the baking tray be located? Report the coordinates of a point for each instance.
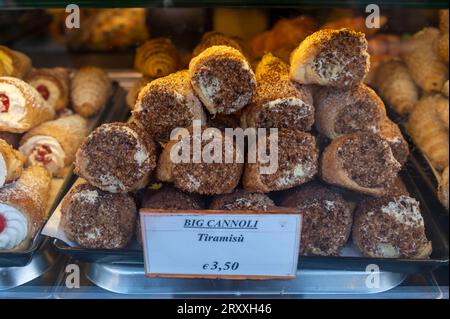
(114, 110)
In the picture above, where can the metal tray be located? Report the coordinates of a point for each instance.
(114, 110)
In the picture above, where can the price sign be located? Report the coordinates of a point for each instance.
(221, 244)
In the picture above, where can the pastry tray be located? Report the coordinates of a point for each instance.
(114, 110)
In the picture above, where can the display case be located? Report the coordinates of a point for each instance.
(356, 92)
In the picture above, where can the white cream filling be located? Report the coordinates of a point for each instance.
(16, 229)
(16, 106)
(56, 157)
(3, 170)
(51, 87)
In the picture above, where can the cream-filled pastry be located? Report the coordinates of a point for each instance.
(11, 163)
(45, 151)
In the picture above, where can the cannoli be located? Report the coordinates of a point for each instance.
(21, 106)
(278, 102)
(242, 200)
(97, 219)
(11, 163)
(89, 90)
(390, 132)
(297, 161)
(443, 188)
(133, 92)
(52, 84)
(336, 58)
(212, 38)
(396, 86)
(209, 175)
(13, 63)
(390, 227)
(116, 158)
(23, 208)
(156, 58)
(424, 64)
(12, 139)
(362, 162)
(53, 144)
(168, 103)
(340, 112)
(427, 131)
(223, 79)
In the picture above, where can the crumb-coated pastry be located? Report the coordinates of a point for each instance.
(297, 162)
(156, 58)
(168, 103)
(327, 218)
(212, 38)
(390, 132)
(336, 58)
(192, 172)
(89, 90)
(396, 86)
(13, 63)
(443, 188)
(278, 102)
(21, 106)
(53, 144)
(12, 139)
(390, 227)
(242, 200)
(97, 219)
(362, 162)
(222, 79)
(116, 158)
(425, 66)
(133, 92)
(52, 84)
(23, 208)
(428, 132)
(11, 163)
(340, 112)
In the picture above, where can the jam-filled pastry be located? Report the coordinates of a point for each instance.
(89, 90)
(390, 132)
(327, 218)
(242, 200)
(156, 58)
(21, 106)
(223, 79)
(52, 84)
(97, 219)
(23, 208)
(336, 58)
(168, 103)
(340, 112)
(212, 38)
(297, 162)
(362, 162)
(278, 102)
(443, 188)
(390, 227)
(133, 92)
(209, 175)
(53, 144)
(11, 163)
(117, 158)
(13, 63)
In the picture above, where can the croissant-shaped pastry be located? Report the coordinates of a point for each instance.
(11, 163)
(13, 63)
(90, 90)
(156, 58)
(443, 188)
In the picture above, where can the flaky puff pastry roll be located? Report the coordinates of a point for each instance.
(11, 163)
(90, 90)
(13, 63)
(424, 64)
(53, 144)
(23, 208)
(156, 58)
(331, 57)
(21, 106)
(428, 132)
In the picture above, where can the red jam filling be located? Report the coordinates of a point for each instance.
(42, 89)
(4, 103)
(2, 223)
(42, 153)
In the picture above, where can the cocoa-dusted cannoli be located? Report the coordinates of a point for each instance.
(11, 163)
(362, 162)
(97, 219)
(156, 58)
(117, 158)
(168, 103)
(242, 200)
(443, 188)
(213, 176)
(340, 112)
(392, 134)
(278, 102)
(21, 106)
(212, 38)
(223, 79)
(52, 84)
(327, 218)
(23, 208)
(331, 57)
(133, 92)
(390, 227)
(53, 144)
(297, 162)
(13, 63)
